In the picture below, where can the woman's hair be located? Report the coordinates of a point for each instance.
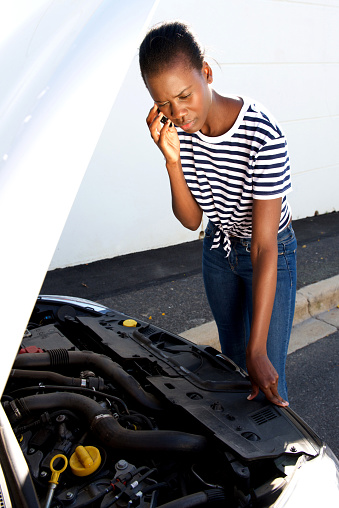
(164, 43)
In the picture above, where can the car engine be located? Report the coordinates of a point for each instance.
(110, 411)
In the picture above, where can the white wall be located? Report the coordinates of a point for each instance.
(284, 53)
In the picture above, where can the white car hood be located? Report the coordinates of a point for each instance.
(62, 65)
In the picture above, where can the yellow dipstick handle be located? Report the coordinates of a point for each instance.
(57, 472)
(54, 478)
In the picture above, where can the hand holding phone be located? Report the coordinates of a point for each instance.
(163, 134)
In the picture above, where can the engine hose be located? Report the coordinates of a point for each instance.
(203, 498)
(105, 427)
(81, 389)
(53, 377)
(87, 359)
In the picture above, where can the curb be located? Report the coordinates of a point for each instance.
(309, 323)
(316, 298)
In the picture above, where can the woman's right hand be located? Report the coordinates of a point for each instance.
(164, 136)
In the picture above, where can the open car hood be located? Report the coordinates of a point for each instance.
(62, 66)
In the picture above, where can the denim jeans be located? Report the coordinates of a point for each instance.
(228, 285)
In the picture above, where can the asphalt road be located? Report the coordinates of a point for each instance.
(313, 381)
(165, 285)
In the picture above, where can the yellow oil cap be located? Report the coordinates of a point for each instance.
(85, 460)
(131, 323)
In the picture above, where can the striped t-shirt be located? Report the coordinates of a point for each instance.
(225, 173)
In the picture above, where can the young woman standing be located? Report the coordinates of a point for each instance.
(226, 156)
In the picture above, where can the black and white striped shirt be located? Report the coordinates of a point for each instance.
(225, 173)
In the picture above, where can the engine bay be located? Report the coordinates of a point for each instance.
(125, 414)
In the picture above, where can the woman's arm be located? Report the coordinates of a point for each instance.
(184, 206)
(264, 257)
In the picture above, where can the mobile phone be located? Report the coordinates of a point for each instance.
(163, 119)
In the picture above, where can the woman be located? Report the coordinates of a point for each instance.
(227, 157)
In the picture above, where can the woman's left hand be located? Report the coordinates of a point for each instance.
(263, 376)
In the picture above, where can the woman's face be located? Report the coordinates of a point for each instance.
(183, 94)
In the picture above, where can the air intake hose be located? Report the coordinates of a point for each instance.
(87, 359)
(104, 426)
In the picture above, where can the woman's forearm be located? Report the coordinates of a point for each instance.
(264, 263)
(184, 206)
(264, 257)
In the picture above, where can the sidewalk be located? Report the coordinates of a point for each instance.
(165, 285)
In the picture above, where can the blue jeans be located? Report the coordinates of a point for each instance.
(228, 285)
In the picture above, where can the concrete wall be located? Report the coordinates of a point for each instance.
(284, 53)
